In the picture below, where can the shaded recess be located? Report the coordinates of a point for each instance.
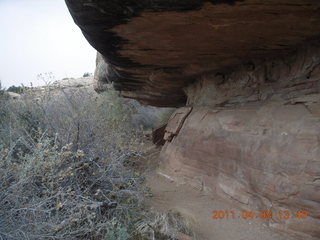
(155, 48)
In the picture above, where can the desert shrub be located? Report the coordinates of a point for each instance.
(169, 225)
(96, 124)
(66, 170)
(54, 193)
(3, 102)
(20, 123)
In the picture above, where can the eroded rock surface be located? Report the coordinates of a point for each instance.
(254, 139)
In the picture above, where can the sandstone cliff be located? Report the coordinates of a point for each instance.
(246, 75)
(254, 142)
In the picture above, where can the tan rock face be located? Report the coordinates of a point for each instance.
(261, 152)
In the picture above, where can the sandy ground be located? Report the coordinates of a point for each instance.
(192, 204)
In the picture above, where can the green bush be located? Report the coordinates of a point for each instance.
(15, 89)
(87, 74)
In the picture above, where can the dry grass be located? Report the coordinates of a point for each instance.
(168, 225)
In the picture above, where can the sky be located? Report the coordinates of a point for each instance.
(39, 36)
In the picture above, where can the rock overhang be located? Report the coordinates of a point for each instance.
(250, 70)
(154, 49)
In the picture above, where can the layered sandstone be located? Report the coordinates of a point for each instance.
(254, 139)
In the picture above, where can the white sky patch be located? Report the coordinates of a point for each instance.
(39, 36)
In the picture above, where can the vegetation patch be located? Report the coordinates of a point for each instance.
(67, 170)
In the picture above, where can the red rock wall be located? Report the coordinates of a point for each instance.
(253, 137)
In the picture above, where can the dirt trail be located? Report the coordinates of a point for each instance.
(191, 203)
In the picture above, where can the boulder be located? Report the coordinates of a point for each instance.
(14, 96)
